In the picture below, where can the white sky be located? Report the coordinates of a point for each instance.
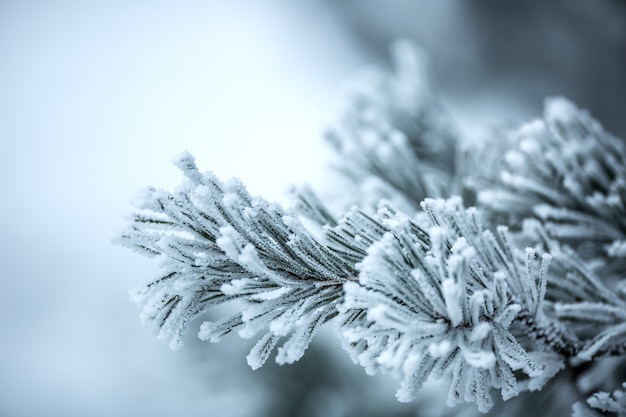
(95, 99)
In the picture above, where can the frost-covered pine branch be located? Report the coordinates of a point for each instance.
(447, 307)
(393, 139)
(567, 171)
(216, 244)
(601, 403)
(524, 291)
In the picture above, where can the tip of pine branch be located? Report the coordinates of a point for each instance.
(187, 163)
(559, 109)
(184, 160)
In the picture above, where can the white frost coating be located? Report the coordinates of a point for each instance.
(452, 294)
(281, 327)
(184, 161)
(231, 200)
(531, 131)
(234, 287)
(602, 340)
(439, 349)
(292, 222)
(530, 146)
(480, 359)
(261, 351)
(234, 185)
(559, 109)
(617, 249)
(615, 201)
(182, 285)
(437, 235)
(443, 205)
(227, 242)
(271, 295)
(573, 186)
(481, 302)
(377, 313)
(531, 252)
(246, 256)
(370, 139)
(202, 191)
(137, 295)
(544, 211)
(456, 263)
(187, 163)
(145, 199)
(460, 245)
(369, 263)
(480, 332)
(461, 254)
(206, 332)
(250, 259)
(396, 223)
(411, 362)
(509, 314)
(398, 139)
(249, 329)
(386, 152)
(514, 158)
(612, 403)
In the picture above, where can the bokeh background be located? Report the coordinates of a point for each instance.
(95, 99)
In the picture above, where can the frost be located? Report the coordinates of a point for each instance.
(439, 349)
(560, 110)
(231, 200)
(218, 244)
(514, 158)
(235, 286)
(185, 161)
(443, 305)
(529, 132)
(480, 359)
(604, 402)
(261, 351)
(227, 242)
(453, 295)
(390, 156)
(617, 249)
(566, 170)
(480, 332)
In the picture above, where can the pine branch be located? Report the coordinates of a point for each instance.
(393, 140)
(604, 402)
(567, 171)
(445, 305)
(217, 244)
(582, 301)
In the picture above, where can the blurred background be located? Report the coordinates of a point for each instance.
(95, 99)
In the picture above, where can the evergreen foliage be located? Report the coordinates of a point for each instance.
(521, 293)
